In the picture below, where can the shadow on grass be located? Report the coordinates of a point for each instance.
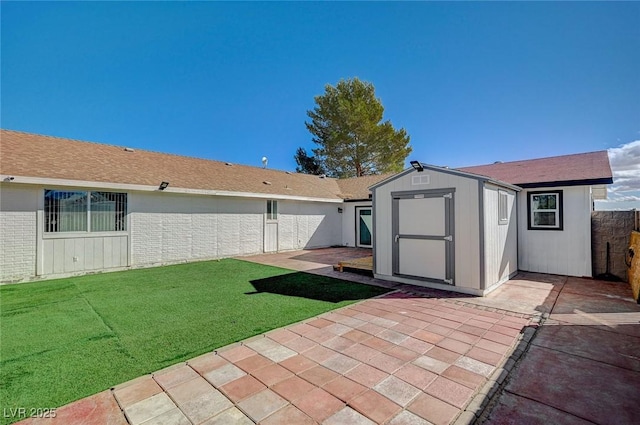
(315, 287)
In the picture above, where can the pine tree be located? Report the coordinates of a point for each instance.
(307, 164)
(352, 139)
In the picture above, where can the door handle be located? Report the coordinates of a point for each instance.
(396, 238)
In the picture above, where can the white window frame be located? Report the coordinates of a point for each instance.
(558, 210)
(272, 210)
(503, 207)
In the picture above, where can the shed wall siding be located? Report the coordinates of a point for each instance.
(18, 237)
(565, 252)
(467, 224)
(500, 240)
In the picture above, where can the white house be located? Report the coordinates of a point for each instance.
(469, 230)
(71, 207)
(554, 208)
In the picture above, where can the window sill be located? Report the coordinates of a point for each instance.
(71, 235)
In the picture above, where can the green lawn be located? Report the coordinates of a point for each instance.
(65, 339)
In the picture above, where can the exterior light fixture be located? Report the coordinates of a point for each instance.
(9, 179)
(163, 185)
(339, 210)
(418, 167)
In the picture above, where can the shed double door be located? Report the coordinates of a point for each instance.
(423, 235)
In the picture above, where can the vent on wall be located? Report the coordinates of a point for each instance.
(421, 179)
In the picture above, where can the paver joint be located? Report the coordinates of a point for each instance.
(410, 356)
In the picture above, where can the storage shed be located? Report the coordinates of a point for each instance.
(445, 229)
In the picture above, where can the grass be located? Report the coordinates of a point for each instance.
(62, 340)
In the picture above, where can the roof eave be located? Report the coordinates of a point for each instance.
(357, 199)
(449, 171)
(582, 182)
(40, 181)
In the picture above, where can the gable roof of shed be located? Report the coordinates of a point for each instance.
(446, 170)
(566, 170)
(47, 157)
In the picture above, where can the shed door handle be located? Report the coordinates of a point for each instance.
(396, 238)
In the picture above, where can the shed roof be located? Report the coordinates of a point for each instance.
(566, 170)
(33, 155)
(446, 170)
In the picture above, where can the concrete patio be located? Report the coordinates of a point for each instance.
(583, 366)
(540, 349)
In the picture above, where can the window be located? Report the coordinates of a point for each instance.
(65, 211)
(272, 210)
(80, 211)
(108, 211)
(421, 179)
(503, 207)
(545, 210)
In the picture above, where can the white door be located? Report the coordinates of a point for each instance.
(364, 227)
(271, 227)
(423, 235)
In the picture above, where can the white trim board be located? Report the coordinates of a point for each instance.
(146, 188)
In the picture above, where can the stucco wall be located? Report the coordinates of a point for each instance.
(303, 225)
(163, 227)
(349, 221)
(634, 269)
(167, 227)
(18, 206)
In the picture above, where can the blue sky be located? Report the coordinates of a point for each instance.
(471, 83)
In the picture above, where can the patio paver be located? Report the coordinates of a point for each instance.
(288, 415)
(140, 389)
(148, 408)
(348, 416)
(242, 388)
(412, 356)
(231, 416)
(199, 400)
(397, 390)
(261, 405)
(318, 404)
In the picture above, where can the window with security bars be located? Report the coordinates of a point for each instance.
(83, 211)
